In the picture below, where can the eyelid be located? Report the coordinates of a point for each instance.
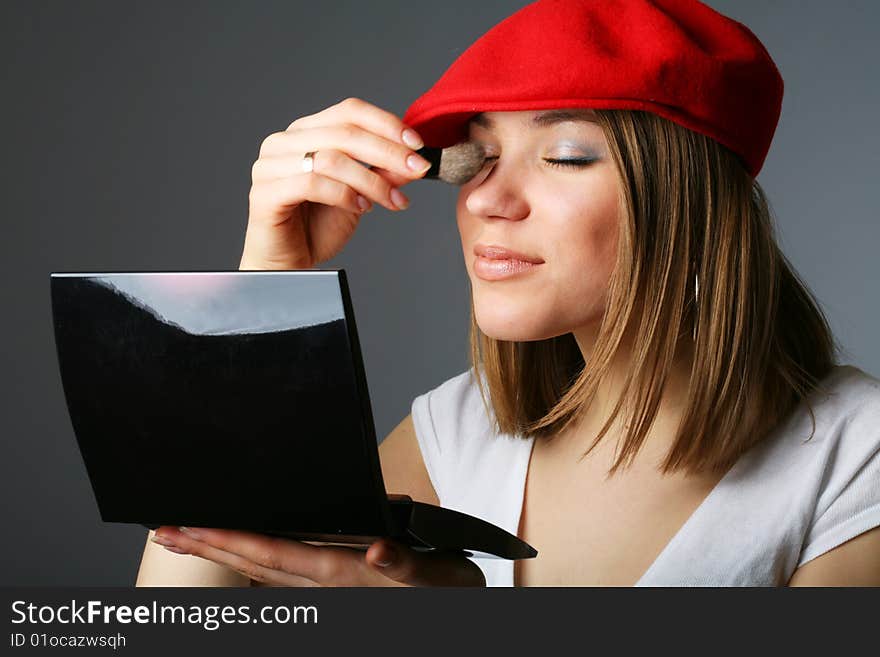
(574, 151)
(572, 158)
(580, 159)
(569, 163)
(571, 151)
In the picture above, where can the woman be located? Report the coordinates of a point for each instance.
(657, 400)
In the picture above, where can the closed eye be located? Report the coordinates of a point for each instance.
(568, 162)
(573, 162)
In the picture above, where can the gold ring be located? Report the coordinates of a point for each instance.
(308, 162)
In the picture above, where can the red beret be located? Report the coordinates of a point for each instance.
(677, 58)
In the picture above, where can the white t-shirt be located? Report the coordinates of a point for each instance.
(785, 502)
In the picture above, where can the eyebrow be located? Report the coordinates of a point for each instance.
(544, 119)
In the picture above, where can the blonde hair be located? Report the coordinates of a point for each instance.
(762, 342)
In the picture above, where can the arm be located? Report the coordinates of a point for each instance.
(403, 470)
(853, 563)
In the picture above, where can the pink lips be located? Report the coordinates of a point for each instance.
(494, 262)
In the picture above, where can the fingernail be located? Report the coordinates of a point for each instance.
(192, 534)
(399, 199)
(417, 163)
(388, 560)
(176, 550)
(363, 203)
(411, 139)
(161, 540)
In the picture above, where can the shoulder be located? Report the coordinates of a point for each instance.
(451, 423)
(845, 443)
(842, 531)
(847, 413)
(459, 390)
(841, 416)
(851, 390)
(847, 393)
(454, 408)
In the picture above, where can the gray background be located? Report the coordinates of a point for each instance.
(130, 130)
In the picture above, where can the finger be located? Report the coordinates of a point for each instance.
(402, 564)
(368, 116)
(272, 553)
(393, 179)
(185, 544)
(281, 194)
(333, 164)
(359, 143)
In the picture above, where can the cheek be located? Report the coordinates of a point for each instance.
(588, 256)
(585, 230)
(587, 233)
(576, 292)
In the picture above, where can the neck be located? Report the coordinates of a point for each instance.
(662, 432)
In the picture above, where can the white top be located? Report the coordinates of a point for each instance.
(782, 504)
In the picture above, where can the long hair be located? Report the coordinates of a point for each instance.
(762, 344)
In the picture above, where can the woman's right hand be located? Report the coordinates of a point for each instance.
(298, 220)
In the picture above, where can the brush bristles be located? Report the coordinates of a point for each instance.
(461, 162)
(457, 164)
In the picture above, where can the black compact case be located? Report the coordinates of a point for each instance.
(236, 400)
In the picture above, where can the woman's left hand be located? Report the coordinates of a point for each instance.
(276, 561)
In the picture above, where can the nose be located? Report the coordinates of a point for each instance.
(498, 194)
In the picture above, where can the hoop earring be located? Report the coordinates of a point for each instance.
(696, 303)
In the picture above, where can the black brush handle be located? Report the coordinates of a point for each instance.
(433, 156)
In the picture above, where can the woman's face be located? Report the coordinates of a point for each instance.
(564, 215)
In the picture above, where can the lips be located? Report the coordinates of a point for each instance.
(493, 262)
(497, 252)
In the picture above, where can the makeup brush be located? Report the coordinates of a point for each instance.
(454, 165)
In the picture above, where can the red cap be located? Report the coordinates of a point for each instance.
(677, 58)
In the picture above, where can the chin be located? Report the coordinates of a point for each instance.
(515, 327)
